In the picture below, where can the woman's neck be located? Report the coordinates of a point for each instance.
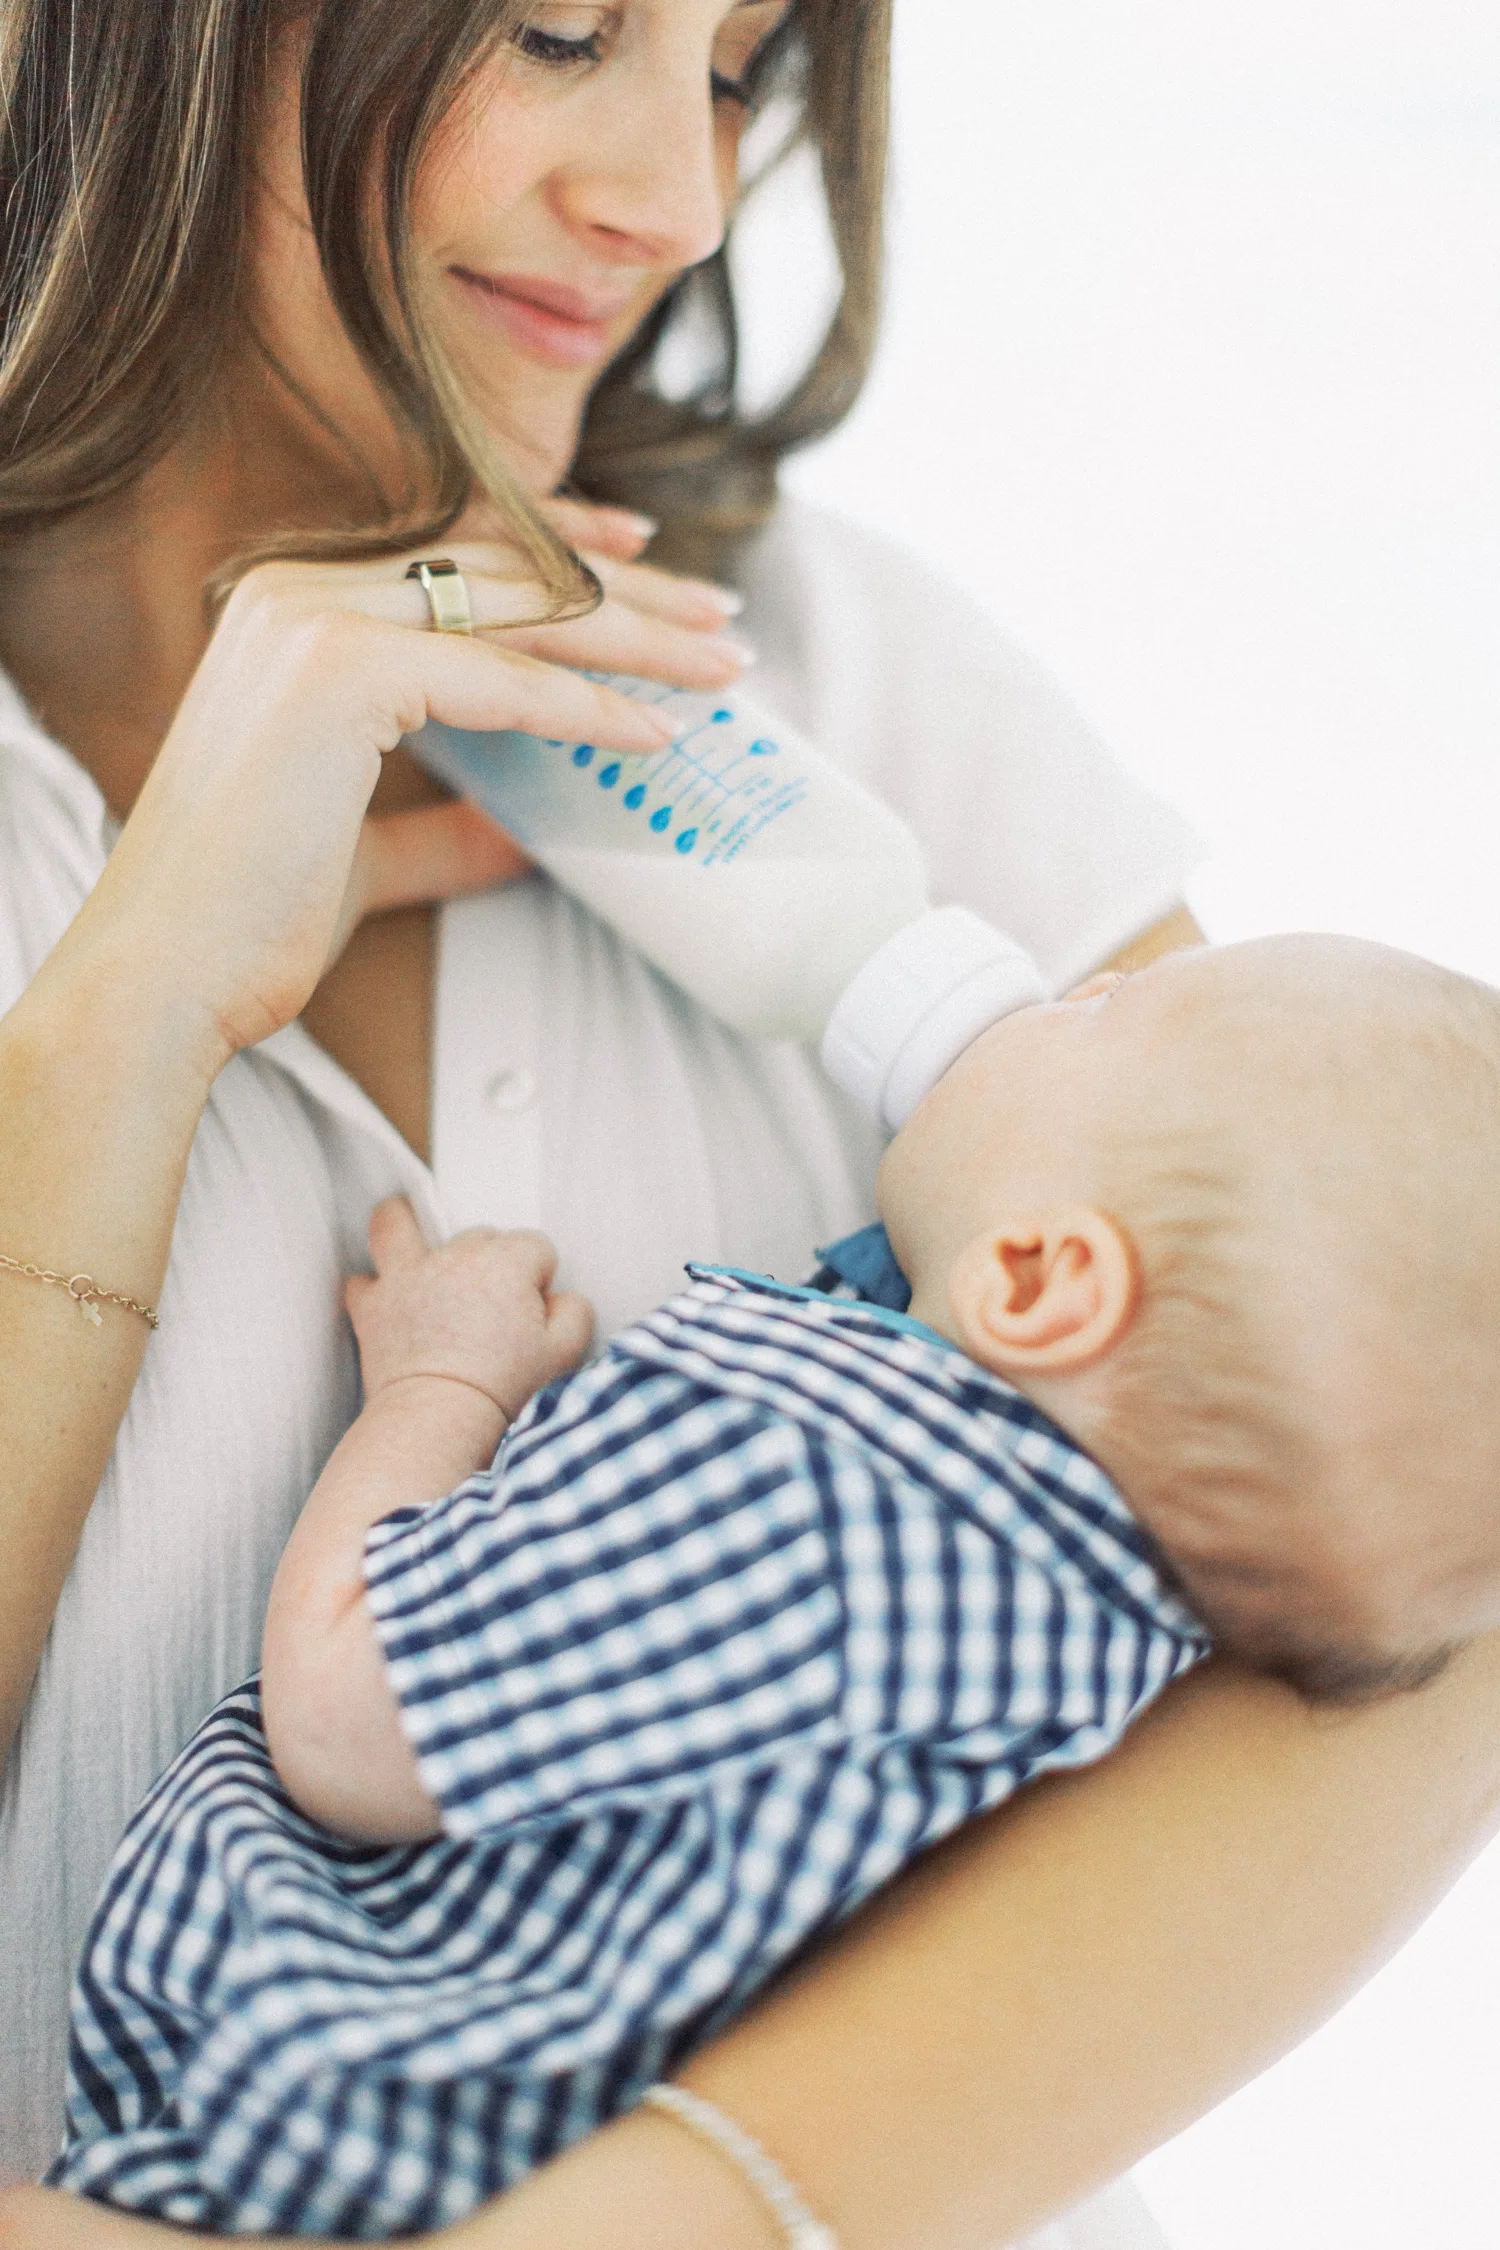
(103, 619)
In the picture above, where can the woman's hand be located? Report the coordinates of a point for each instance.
(445, 850)
(245, 861)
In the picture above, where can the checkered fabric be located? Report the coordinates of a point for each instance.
(748, 1613)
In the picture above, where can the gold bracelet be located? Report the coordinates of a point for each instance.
(84, 1291)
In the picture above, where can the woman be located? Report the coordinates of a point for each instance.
(234, 337)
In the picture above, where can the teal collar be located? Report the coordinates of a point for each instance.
(862, 1305)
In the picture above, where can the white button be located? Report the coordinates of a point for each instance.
(510, 1090)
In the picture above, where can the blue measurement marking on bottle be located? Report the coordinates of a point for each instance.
(703, 784)
(718, 790)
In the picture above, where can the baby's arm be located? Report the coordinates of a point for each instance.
(452, 1343)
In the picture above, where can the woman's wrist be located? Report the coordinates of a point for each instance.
(639, 2184)
(114, 998)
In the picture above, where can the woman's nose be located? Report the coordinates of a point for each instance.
(649, 184)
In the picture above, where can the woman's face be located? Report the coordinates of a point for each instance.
(585, 166)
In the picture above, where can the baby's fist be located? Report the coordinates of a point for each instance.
(479, 1309)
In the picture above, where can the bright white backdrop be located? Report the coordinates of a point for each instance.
(1192, 372)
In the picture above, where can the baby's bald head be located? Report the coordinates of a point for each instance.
(1299, 1142)
(1321, 1323)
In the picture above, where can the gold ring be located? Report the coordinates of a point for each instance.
(447, 594)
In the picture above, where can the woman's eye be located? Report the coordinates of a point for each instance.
(557, 52)
(563, 37)
(754, 36)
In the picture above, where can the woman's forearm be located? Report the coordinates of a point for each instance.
(100, 1094)
(1078, 1978)
(1040, 2001)
(1170, 935)
(1073, 1979)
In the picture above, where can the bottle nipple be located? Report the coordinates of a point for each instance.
(920, 999)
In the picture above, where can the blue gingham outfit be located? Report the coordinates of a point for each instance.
(746, 1614)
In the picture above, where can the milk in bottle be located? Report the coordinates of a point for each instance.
(759, 878)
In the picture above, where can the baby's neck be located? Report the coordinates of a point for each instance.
(929, 1304)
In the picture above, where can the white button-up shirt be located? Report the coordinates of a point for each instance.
(573, 1089)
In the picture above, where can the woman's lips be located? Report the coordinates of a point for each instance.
(555, 323)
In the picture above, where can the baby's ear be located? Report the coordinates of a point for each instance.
(1044, 1295)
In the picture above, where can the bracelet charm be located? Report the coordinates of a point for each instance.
(83, 1289)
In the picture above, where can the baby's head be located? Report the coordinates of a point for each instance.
(1235, 1224)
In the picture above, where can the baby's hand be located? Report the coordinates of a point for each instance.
(478, 1310)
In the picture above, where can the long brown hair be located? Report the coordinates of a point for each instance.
(127, 145)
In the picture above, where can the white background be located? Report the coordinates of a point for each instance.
(1192, 372)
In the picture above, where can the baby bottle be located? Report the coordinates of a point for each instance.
(760, 879)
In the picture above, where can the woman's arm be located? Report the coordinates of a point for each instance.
(102, 1081)
(1169, 935)
(1073, 1979)
(1043, 1999)
(241, 870)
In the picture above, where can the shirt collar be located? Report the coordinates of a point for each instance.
(810, 1293)
(865, 1263)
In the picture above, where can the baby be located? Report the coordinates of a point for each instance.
(545, 1778)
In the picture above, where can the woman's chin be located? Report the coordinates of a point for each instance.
(534, 420)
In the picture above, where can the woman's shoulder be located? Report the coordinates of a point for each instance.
(874, 650)
(909, 683)
(829, 598)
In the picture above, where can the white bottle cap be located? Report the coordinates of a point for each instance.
(924, 996)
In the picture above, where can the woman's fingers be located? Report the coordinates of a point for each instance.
(590, 524)
(587, 524)
(437, 852)
(473, 684)
(695, 602)
(496, 601)
(618, 638)
(657, 593)
(648, 625)
(396, 1240)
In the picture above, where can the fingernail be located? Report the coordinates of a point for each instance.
(659, 725)
(647, 526)
(724, 599)
(732, 645)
